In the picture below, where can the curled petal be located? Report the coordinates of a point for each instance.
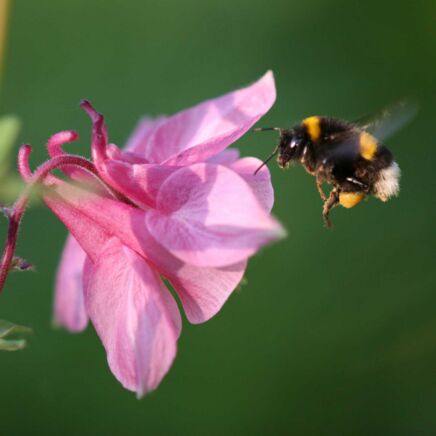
(69, 304)
(99, 134)
(54, 148)
(23, 162)
(54, 144)
(207, 215)
(198, 133)
(134, 315)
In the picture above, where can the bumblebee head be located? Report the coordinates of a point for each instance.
(291, 146)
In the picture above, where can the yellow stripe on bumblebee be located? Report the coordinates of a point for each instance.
(368, 145)
(313, 127)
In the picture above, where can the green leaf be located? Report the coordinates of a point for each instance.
(13, 345)
(8, 328)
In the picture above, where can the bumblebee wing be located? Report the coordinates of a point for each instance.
(347, 148)
(386, 122)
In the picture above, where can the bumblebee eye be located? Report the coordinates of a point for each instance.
(294, 142)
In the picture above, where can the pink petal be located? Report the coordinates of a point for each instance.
(198, 133)
(226, 157)
(138, 182)
(94, 220)
(139, 141)
(72, 206)
(134, 315)
(69, 298)
(114, 153)
(203, 291)
(207, 215)
(259, 183)
(141, 182)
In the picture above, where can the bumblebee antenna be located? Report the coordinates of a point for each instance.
(268, 159)
(265, 129)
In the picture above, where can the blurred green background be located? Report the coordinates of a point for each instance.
(335, 331)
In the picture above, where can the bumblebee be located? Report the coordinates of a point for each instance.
(347, 155)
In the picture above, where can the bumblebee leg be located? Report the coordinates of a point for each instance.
(319, 187)
(331, 202)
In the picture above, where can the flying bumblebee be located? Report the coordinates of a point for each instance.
(347, 155)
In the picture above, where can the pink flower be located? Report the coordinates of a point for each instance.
(174, 203)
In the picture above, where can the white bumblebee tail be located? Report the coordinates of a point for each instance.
(388, 183)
